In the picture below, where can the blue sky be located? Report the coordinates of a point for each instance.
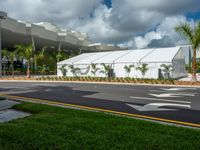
(127, 23)
(108, 3)
(194, 15)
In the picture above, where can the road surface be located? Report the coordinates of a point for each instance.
(176, 104)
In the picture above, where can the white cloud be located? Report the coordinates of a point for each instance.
(140, 16)
(120, 24)
(57, 11)
(163, 33)
(142, 42)
(98, 26)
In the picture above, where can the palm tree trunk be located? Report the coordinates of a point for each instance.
(4, 68)
(12, 70)
(28, 69)
(194, 77)
(35, 63)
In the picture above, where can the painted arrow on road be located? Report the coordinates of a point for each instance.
(155, 107)
(173, 94)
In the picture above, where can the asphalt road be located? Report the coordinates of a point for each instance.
(172, 103)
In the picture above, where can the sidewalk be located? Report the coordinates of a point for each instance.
(8, 114)
(188, 78)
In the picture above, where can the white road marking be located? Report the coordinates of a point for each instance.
(170, 91)
(177, 89)
(155, 106)
(172, 94)
(18, 92)
(158, 99)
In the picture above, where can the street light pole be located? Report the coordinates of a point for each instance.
(3, 15)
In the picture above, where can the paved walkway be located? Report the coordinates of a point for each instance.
(189, 77)
(6, 104)
(7, 114)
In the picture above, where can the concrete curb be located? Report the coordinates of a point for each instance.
(105, 83)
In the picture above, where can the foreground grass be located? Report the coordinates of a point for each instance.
(60, 128)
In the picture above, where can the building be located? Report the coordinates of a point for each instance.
(48, 35)
(81, 65)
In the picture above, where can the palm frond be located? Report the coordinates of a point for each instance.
(197, 35)
(186, 31)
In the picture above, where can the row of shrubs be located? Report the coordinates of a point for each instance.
(104, 79)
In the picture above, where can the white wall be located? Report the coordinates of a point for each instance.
(119, 70)
(151, 73)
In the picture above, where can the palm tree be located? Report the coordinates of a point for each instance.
(74, 70)
(41, 55)
(26, 51)
(94, 69)
(128, 69)
(143, 69)
(106, 69)
(4, 57)
(166, 69)
(11, 57)
(63, 70)
(193, 37)
(43, 69)
(57, 56)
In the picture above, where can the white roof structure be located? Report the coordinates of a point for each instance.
(134, 56)
(92, 58)
(45, 34)
(161, 55)
(75, 59)
(111, 57)
(125, 56)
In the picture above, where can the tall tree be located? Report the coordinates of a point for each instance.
(11, 57)
(41, 55)
(4, 58)
(192, 35)
(26, 51)
(57, 56)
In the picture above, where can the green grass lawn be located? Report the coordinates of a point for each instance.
(60, 128)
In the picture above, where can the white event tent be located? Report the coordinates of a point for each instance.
(117, 60)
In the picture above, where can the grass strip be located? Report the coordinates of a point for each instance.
(59, 128)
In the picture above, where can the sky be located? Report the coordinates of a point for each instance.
(126, 23)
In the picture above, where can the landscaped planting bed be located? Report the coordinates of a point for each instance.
(109, 80)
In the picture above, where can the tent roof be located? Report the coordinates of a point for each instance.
(111, 57)
(161, 55)
(134, 55)
(75, 59)
(91, 58)
(125, 56)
